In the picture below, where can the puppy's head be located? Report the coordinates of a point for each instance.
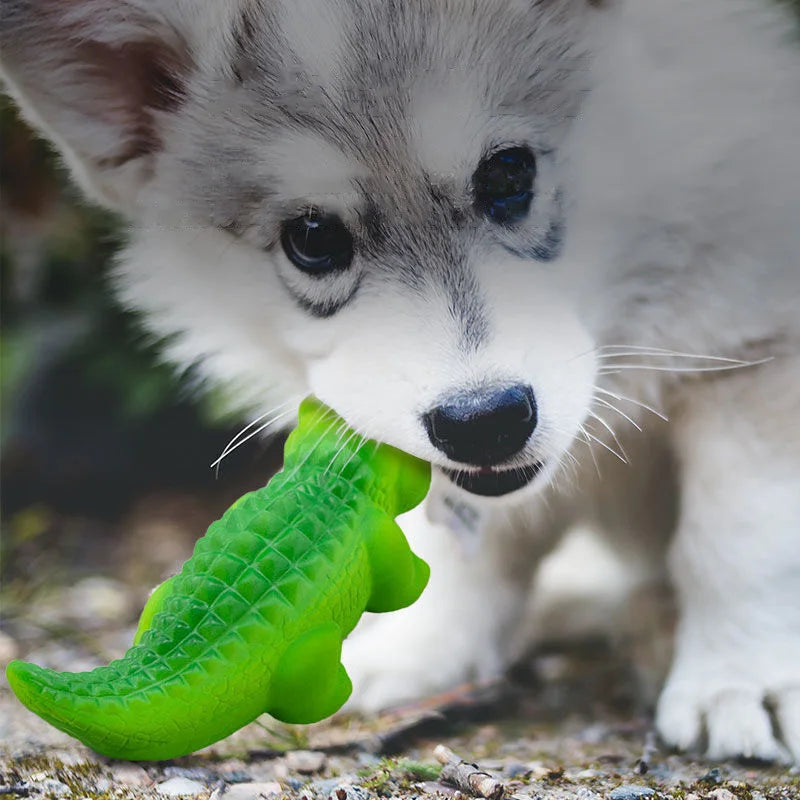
(359, 198)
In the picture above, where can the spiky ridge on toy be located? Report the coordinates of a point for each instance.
(254, 622)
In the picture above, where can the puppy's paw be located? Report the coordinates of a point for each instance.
(411, 654)
(737, 719)
(786, 703)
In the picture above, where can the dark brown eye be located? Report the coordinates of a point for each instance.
(503, 184)
(317, 243)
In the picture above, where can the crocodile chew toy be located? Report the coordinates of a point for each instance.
(254, 622)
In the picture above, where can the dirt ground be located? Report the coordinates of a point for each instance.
(567, 724)
(532, 739)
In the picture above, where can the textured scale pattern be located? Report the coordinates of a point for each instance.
(254, 622)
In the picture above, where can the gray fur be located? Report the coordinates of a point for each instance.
(419, 227)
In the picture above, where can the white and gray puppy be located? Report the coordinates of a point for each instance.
(488, 232)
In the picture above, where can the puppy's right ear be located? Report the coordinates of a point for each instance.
(99, 78)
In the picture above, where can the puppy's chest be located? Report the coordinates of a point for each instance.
(466, 519)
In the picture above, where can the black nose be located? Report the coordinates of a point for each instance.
(485, 426)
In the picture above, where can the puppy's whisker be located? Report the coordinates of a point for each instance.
(364, 441)
(553, 453)
(587, 441)
(603, 444)
(567, 468)
(250, 425)
(625, 399)
(611, 431)
(621, 367)
(344, 435)
(568, 455)
(351, 434)
(326, 431)
(631, 350)
(612, 407)
(228, 450)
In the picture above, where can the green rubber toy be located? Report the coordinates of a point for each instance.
(254, 622)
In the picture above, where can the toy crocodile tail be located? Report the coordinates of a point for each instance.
(254, 621)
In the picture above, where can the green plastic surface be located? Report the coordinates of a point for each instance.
(254, 622)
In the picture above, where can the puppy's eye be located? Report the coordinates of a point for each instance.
(317, 243)
(503, 184)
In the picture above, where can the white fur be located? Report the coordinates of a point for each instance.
(310, 168)
(449, 123)
(736, 566)
(682, 186)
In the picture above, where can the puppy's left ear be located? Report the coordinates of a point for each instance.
(99, 78)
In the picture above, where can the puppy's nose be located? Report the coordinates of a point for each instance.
(485, 426)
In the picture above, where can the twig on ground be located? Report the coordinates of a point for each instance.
(650, 749)
(465, 776)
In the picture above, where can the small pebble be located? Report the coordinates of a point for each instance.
(346, 791)
(251, 791)
(235, 776)
(53, 788)
(16, 789)
(713, 777)
(538, 770)
(586, 774)
(736, 784)
(175, 787)
(305, 762)
(721, 794)
(192, 773)
(630, 792)
(515, 770)
(441, 789)
(131, 775)
(325, 788)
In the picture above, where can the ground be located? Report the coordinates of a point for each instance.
(568, 723)
(587, 754)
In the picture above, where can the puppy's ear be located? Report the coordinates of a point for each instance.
(99, 78)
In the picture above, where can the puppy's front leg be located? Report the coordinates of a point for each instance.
(463, 626)
(736, 568)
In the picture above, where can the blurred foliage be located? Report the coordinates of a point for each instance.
(55, 255)
(86, 406)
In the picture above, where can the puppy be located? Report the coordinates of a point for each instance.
(508, 236)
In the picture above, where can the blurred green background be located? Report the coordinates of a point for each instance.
(100, 442)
